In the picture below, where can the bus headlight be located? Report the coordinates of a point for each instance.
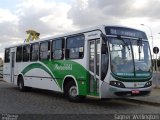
(117, 84)
(148, 84)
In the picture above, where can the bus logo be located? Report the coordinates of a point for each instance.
(135, 85)
(63, 67)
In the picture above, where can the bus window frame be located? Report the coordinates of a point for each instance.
(28, 53)
(67, 50)
(20, 57)
(8, 57)
(31, 52)
(49, 50)
(62, 48)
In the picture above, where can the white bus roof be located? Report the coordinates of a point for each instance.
(99, 27)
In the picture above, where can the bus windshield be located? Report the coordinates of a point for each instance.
(130, 57)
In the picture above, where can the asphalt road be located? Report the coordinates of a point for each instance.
(47, 102)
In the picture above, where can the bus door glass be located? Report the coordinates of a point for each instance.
(94, 66)
(12, 66)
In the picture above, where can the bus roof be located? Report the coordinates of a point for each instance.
(99, 27)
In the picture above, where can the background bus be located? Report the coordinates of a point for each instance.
(102, 61)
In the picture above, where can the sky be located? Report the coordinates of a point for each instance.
(52, 17)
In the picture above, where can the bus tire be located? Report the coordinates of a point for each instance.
(71, 92)
(21, 86)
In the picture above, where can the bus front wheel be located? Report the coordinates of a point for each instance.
(71, 92)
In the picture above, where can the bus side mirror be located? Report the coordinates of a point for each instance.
(104, 49)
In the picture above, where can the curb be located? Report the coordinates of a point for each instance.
(156, 87)
(141, 101)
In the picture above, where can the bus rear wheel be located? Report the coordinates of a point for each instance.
(71, 92)
(21, 86)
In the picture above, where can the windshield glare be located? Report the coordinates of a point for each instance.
(142, 57)
(122, 53)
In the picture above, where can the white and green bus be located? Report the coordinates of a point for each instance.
(101, 62)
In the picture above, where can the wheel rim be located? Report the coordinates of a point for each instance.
(73, 91)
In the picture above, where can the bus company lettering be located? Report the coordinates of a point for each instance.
(63, 67)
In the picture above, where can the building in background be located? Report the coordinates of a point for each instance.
(1, 62)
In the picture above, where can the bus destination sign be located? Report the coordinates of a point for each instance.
(125, 32)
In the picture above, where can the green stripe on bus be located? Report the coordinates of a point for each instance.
(60, 69)
(63, 68)
(40, 66)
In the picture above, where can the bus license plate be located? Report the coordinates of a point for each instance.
(135, 92)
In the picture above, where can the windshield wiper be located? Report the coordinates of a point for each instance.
(125, 43)
(139, 44)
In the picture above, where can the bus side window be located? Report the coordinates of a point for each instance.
(34, 52)
(26, 53)
(7, 56)
(57, 49)
(75, 47)
(19, 54)
(44, 50)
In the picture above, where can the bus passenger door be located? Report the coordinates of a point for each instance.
(94, 66)
(12, 66)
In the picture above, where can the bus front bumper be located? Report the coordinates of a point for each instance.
(108, 91)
